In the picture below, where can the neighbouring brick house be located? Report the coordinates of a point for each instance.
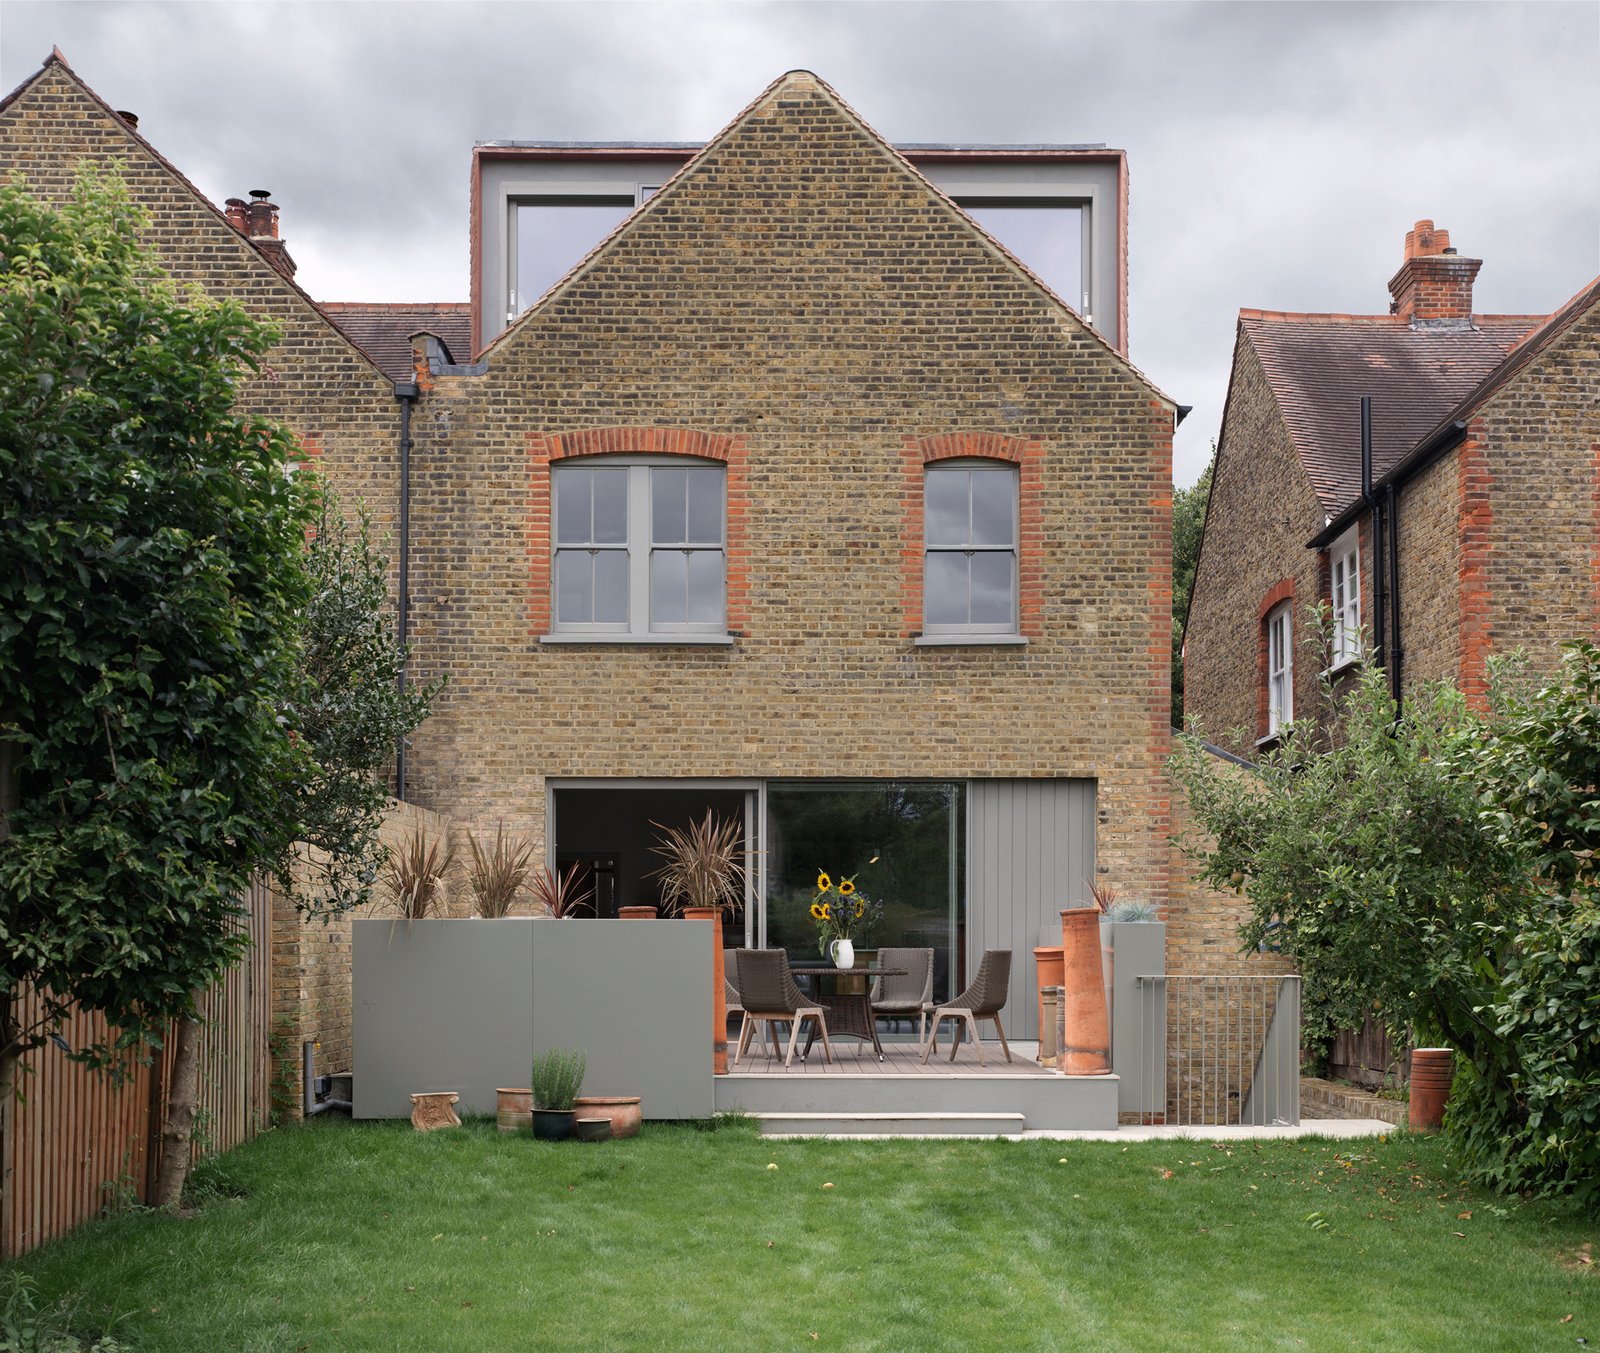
(1475, 531)
(798, 498)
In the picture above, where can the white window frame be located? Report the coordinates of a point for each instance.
(1344, 592)
(640, 546)
(978, 632)
(1280, 667)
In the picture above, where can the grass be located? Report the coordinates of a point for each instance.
(371, 1236)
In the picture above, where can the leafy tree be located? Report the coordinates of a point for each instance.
(1188, 525)
(1526, 1114)
(352, 712)
(151, 579)
(1365, 858)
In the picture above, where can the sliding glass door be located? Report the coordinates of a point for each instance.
(905, 844)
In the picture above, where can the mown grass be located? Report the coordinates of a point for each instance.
(339, 1236)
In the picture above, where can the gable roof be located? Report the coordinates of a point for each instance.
(798, 83)
(56, 61)
(1319, 366)
(383, 330)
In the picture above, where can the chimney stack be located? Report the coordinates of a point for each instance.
(257, 221)
(1433, 288)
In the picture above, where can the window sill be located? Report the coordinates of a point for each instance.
(1342, 666)
(1267, 743)
(970, 641)
(643, 640)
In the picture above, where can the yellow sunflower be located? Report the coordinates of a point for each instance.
(823, 883)
(827, 915)
(817, 912)
(860, 909)
(846, 887)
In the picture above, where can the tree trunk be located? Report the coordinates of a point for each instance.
(177, 1129)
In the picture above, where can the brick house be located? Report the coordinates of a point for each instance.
(1470, 525)
(798, 498)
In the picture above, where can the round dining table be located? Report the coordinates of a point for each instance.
(848, 1008)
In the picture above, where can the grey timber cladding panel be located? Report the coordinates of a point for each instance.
(1030, 853)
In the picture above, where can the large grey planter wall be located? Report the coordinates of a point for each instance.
(1138, 1015)
(464, 1004)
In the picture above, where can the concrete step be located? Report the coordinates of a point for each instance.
(890, 1124)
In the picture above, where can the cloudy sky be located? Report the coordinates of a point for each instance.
(1278, 152)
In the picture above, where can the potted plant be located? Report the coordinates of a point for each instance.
(556, 1078)
(842, 914)
(704, 879)
(414, 876)
(497, 876)
(563, 893)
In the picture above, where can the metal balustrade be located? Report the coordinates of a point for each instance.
(1220, 1050)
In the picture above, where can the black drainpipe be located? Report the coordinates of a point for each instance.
(1375, 506)
(1396, 651)
(406, 393)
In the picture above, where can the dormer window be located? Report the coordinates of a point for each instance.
(550, 234)
(1049, 236)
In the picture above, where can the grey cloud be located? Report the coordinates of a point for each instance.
(1278, 152)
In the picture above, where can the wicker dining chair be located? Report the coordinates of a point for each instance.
(768, 992)
(730, 988)
(984, 998)
(902, 997)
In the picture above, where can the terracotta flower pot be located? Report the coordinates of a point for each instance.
(1431, 1073)
(622, 1110)
(1087, 1051)
(637, 913)
(1048, 961)
(512, 1109)
(719, 995)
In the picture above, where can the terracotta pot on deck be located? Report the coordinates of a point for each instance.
(719, 995)
(1431, 1072)
(1049, 962)
(1087, 1050)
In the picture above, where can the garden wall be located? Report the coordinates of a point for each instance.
(311, 965)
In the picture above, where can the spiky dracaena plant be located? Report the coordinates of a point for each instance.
(497, 876)
(705, 864)
(563, 893)
(413, 876)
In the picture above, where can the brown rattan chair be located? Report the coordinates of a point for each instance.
(984, 998)
(730, 988)
(902, 997)
(768, 992)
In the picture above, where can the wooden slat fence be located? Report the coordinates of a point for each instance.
(82, 1141)
(1367, 1057)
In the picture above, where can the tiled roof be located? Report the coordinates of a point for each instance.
(383, 331)
(1319, 366)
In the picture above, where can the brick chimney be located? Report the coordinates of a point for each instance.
(1433, 288)
(257, 221)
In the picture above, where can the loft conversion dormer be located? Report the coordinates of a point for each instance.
(539, 207)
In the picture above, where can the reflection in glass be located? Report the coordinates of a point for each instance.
(917, 831)
(554, 234)
(1046, 236)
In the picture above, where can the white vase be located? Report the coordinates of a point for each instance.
(844, 953)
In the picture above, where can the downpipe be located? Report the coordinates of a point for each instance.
(310, 1105)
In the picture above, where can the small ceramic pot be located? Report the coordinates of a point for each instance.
(513, 1110)
(622, 1111)
(844, 953)
(592, 1129)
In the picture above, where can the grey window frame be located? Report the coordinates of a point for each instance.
(639, 543)
(621, 196)
(978, 631)
(1083, 303)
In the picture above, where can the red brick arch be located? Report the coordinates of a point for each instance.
(545, 448)
(1280, 592)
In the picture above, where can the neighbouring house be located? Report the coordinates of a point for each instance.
(793, 494)
(1464, 521)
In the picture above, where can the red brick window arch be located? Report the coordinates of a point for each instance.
(976, 532)
(637, 534)
(1275, 660)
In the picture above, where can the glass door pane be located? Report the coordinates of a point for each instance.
(904, 843)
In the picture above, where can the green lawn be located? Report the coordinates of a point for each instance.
(370, 1236)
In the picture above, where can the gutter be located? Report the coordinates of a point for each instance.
(1446, 439)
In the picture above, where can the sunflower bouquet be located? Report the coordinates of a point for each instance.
(841, 911)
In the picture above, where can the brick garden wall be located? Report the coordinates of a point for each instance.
(801, 299)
